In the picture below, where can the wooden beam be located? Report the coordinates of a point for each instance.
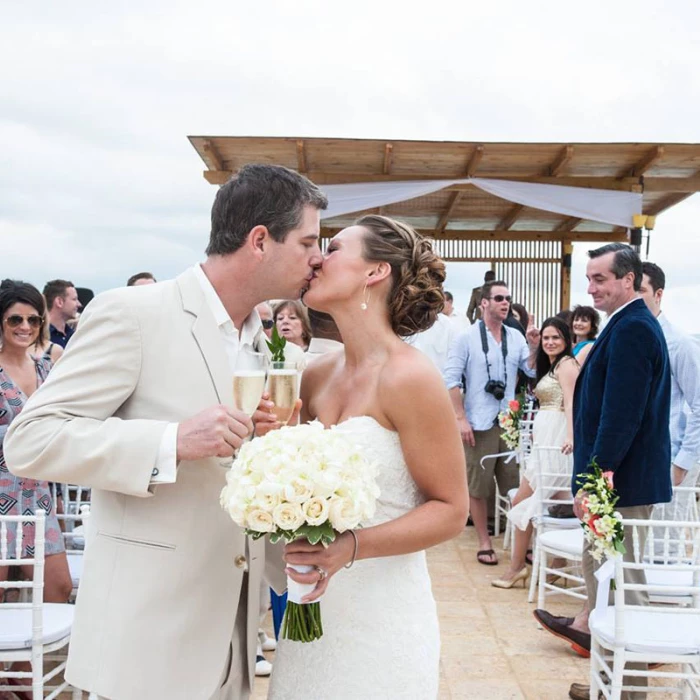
(388, 154)
(568, 224)
(211, 156)
(445, 217)
(217, 177)
(561, 161)
(509, 219)
(575, 236)
(475, 160)
(301, 156)
(672, 184)
(666, 203)
(645, 163)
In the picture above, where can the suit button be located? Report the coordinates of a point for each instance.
(240, 561)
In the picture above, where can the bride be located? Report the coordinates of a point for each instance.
(380, 281)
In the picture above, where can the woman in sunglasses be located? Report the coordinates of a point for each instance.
(22, 311)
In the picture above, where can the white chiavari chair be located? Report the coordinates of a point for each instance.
(629, 632)
(31, 630)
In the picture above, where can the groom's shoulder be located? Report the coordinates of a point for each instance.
(144, 298)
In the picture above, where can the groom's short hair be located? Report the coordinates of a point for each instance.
(260, 195)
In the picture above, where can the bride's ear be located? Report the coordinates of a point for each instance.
(379, 272)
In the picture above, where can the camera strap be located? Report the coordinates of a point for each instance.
(485, 348)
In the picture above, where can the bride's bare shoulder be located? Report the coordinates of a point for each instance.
(410, 369)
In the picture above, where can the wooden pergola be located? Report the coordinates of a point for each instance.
(530, 248)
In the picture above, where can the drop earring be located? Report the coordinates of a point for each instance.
(366, 295)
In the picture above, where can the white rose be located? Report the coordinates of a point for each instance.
(316, 511)
(288, 516)
(298, 490)
(260, 521)
(343, 514)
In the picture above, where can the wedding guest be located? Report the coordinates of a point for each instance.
(47, 349)
(22, 310)
(435, 342)
(292, 323)
(488, 356)
(326, 336)
(474, 308)
(140, 278)
(621, 417)
(64, 306)
(553, 427)
(684, 355)
(585, 321)
(265, 312)
(521, 315)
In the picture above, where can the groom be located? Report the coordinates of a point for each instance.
(140, 409)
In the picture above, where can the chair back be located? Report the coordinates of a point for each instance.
(12, 532)
(677, 574)
(75, 506)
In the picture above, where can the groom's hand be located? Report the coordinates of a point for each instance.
(215, 432)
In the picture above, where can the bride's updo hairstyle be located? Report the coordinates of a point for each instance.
(416, 297)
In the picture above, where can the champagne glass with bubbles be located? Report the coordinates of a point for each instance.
(249, 380)
(283, 387)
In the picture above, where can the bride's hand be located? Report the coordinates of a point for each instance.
(329, 559)
(265, 420)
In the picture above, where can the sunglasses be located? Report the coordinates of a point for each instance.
(15, 321)
(499, 298)
(267, 323)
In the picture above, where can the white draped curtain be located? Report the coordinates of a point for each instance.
(604, 206)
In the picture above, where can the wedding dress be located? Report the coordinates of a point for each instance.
(381, 639)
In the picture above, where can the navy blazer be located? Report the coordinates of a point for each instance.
(622, 403)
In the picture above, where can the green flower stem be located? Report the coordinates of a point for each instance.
(302, 623)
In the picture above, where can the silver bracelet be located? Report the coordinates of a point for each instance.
(354, 554)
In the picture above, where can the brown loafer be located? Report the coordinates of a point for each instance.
(561, 627)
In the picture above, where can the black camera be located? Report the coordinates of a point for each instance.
(496, 389)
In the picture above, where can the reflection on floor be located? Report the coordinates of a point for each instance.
(491, 646)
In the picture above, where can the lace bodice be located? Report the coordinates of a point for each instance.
(398, 491)
(549, 393)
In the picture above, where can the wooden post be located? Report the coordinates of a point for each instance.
(567, 250)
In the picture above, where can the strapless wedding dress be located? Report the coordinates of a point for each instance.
(381, 638)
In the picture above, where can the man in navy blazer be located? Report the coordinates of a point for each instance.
(621, 417)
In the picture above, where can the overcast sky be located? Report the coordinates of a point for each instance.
(98, 181)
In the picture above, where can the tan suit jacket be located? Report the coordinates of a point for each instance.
(474, 310)
(164, 564)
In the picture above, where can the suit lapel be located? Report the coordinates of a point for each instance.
(207, 336)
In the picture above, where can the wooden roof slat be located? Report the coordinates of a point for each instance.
(388, 151)
(301, 156)
(509, 219)
(475, 160)
(562, 160)
(211, 156)
(645, 163)
(445, 216)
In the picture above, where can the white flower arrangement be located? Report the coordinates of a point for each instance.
(301, 482)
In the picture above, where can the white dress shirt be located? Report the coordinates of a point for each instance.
(435, 342)
(320, 346)
(684, 355)
(166, 464)
(466, 358)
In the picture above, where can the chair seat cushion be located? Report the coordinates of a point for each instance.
(548, 522)
(75, 565)
(650, 632)
(569, 541)
(16, 625)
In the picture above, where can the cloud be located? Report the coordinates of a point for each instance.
(99, 181)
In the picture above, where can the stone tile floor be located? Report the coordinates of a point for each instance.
(491, 646)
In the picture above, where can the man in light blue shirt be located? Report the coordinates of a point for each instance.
(684, 355)
(487, 358)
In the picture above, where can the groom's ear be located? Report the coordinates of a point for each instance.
(258, 240)
(380, 272)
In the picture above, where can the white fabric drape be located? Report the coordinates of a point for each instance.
(604, 206)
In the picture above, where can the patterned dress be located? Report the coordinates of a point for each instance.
(18, 495)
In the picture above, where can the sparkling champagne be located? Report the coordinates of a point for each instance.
(283, 388)
(248, 387)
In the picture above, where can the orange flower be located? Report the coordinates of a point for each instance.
(513, 405)
(609, 479)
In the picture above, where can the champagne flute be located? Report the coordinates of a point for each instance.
(249, 380)
(283, 387)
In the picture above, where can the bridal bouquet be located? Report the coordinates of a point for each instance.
(602, 524)
(509, 421)
(300, 481)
